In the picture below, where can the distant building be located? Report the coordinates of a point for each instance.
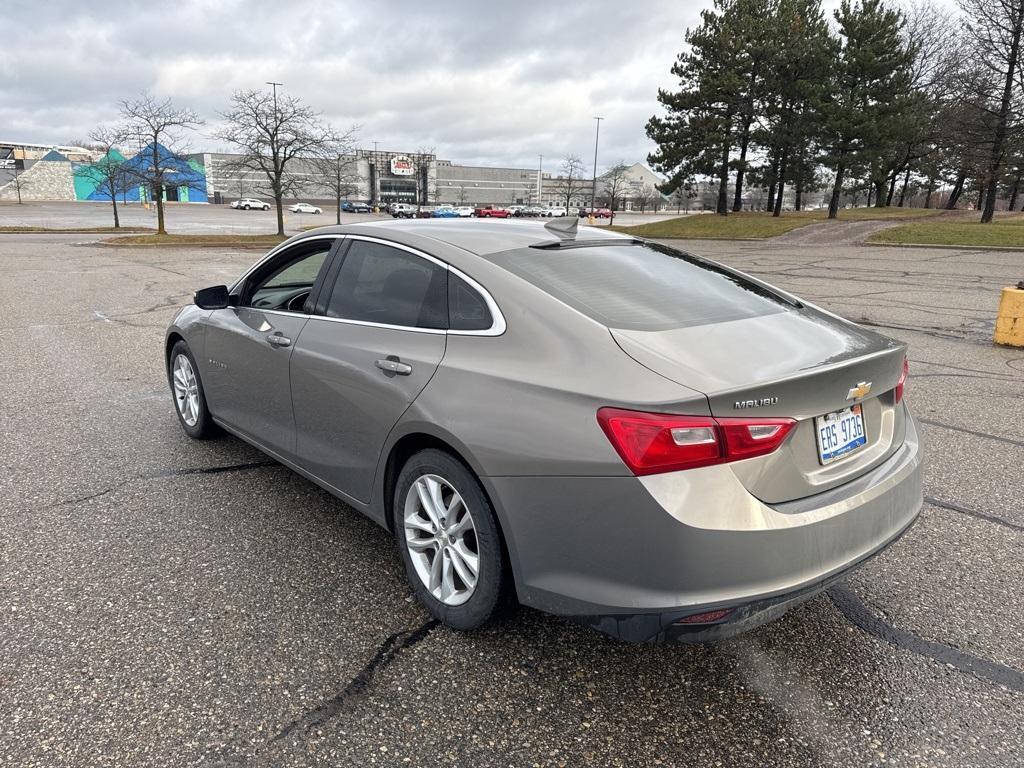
(376, 176)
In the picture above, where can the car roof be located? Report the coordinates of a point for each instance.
(479, 236)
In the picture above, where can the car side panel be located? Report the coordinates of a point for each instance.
(526, 402)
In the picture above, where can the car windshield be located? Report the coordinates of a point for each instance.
(641, 287)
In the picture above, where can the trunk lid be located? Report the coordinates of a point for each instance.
(799, 363)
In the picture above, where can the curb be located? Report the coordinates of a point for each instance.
(946, 246)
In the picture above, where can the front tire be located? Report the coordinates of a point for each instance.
(188, 394)
(450, 542)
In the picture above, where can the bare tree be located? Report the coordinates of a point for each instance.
(337, 168)
(20, 184)
(648, 196)
(995, 28)
(421, 162)
(154, 124)
(462, 194)
(571, 182)
(613, 184)
(270, 131)
(109, 174)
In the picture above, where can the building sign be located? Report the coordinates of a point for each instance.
(401, 166)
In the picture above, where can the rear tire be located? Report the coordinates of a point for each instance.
(440, 541)
(188, 394)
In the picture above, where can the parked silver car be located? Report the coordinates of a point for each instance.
(597, 426)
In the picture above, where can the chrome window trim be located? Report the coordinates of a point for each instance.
(276, 250)
(497, 318)
(498, 325)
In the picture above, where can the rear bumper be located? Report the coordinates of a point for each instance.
(633, 556)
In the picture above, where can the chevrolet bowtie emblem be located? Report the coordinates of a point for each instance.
(861, 390)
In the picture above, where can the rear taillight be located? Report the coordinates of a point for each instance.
(659, 442)
(902, 383)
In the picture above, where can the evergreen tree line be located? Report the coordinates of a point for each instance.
(888, 100)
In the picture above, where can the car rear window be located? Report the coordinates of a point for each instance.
(641, 287)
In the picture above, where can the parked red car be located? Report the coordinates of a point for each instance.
(490, 212)
(599, 213)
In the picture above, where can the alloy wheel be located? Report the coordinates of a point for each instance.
(441, 538)
(186, 390)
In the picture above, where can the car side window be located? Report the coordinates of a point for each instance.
(381, 284)
(287, 284)
(467, 310)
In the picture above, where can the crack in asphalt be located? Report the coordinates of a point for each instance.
(211, 470)
(973, 513)
(388, 651)
(862, 617)
(166, 473)
(998, 438)
(935, 332)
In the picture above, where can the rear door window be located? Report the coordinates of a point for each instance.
(390, 286)
(641, 287)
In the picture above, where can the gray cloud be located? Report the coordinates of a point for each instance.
(495, 83)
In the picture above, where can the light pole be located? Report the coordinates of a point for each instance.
(274, 85)
(593, 188)
(540, 178)
(374, 181)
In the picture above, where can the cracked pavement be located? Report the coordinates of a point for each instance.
(172, 603)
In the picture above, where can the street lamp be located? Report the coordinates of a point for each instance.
(540, 178)
(593, 188)
(274, 85)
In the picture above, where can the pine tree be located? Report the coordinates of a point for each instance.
(872, 79)
(697, 134)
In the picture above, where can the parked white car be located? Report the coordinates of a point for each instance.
(554, 210)
(464, 211)
(304, 208)
(402, 210)
(248, 203)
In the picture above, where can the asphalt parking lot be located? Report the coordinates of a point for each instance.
(173, 603)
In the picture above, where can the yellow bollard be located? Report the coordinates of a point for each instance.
(1010, 320)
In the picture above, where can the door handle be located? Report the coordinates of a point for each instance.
(392, 364)
(277, 340)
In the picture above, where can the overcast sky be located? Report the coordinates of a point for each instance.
(496, 82)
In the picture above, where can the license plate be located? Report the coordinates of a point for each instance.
(840, 433)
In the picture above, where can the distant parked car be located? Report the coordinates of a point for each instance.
(531, 211)
(599, 213)
(490, 212)
(424, 212)
(304, 208)
(349, 206)
(444, 212)
(463, 211)
(248, 203)
(554, 210)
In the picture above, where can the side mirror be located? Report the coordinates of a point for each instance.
(215, 297)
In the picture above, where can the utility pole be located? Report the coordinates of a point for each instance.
(593, 188)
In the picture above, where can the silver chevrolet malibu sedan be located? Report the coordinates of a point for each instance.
(587, 423)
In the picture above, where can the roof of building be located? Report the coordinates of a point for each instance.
(54, 156)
